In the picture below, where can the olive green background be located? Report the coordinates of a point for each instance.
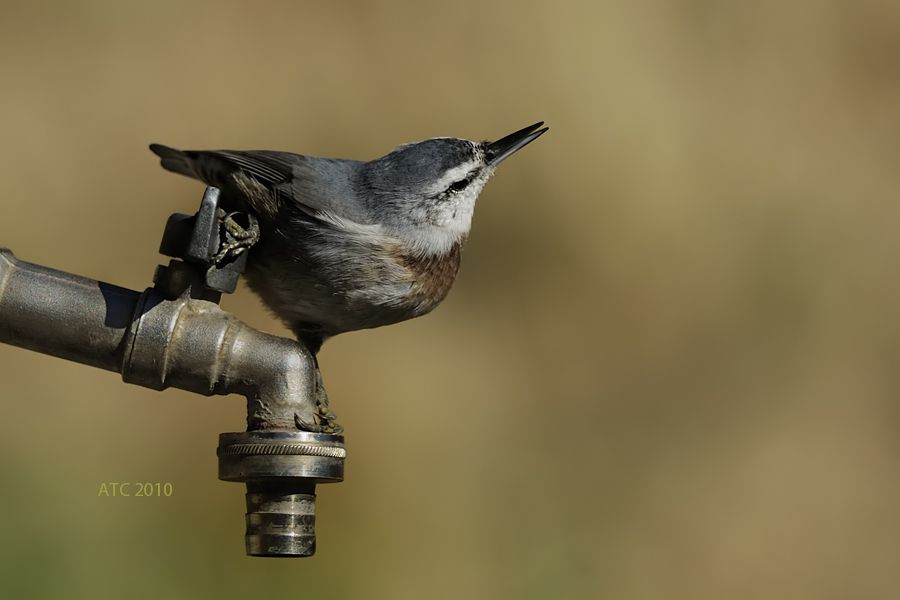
(669, 368)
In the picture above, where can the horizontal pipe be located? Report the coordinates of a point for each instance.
(63, 315)
(157, 341)
(164, 338)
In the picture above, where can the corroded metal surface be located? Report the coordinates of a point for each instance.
(174, 334)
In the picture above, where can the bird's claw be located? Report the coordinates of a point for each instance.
(235, 237)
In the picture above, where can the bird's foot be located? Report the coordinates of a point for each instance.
(235, 237)
(325, 420)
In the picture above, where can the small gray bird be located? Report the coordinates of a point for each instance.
(337, 245)
(344, 244)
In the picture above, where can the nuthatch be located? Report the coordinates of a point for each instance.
(342, 244)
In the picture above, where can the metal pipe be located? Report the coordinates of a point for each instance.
(175, 335)
(63, 315)
(194, 345)
(156, 342)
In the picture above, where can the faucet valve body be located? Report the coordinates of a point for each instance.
(175, 335)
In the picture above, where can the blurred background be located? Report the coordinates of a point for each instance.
(669, 368)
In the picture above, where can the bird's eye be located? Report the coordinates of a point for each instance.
(458, 186)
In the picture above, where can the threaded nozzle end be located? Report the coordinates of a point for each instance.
(281, 470)
(281, 519)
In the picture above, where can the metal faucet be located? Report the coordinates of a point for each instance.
(174, 334)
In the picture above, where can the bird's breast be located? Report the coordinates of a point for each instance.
(432, 276)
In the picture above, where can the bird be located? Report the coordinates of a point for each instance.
(344, 245)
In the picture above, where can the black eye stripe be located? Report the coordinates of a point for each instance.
(458, 186)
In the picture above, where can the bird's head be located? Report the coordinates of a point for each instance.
(425, 192)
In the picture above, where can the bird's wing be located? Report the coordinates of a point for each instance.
(215, 167)
(316, 186)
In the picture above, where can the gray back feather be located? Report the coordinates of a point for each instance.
(310, 184)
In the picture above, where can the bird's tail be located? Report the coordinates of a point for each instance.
(175, 160)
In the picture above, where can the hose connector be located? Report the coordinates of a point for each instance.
(281, 470)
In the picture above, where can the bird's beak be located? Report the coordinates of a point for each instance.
(497, 152)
